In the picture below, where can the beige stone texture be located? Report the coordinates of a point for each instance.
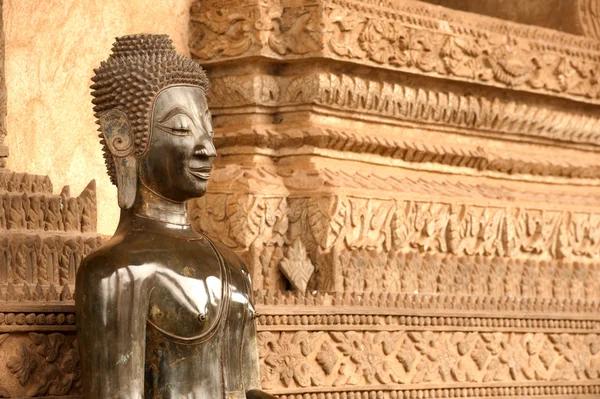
(51, 50)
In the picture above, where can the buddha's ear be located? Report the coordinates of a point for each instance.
(119, 138)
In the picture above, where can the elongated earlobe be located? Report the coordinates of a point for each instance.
(118, 135)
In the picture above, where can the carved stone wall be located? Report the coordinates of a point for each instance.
(415, 189)
(43, 239)
(416, 192)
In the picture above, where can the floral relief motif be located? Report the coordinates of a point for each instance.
(370, 240)
(285, 359)
(367, 352)
(214, 33)
(438, 46)
(48, 365)
(411, 357)
(441, 357)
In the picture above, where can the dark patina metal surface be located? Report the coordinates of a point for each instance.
(163, 311)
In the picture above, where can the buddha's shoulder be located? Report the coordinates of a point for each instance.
(118, 253)
(113, 256)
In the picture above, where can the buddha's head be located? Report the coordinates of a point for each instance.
(155, 125)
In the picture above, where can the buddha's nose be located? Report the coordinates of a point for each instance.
(205, 148)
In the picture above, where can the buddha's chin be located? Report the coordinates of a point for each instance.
(199, 188)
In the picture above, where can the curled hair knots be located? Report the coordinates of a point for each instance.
(129, 80)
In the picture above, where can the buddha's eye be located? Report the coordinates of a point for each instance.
(180, 125)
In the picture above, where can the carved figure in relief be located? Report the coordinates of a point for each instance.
(85, 205)
(71, 214)
(35, 215)
(4, 179)
(20, 265)
(17, 213)
(163, 311)
(3, 222)
(53, 219)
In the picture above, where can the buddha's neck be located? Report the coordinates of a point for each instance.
(151, 205)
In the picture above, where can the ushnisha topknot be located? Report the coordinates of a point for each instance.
(129, 80)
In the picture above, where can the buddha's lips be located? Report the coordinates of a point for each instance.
(202, 173)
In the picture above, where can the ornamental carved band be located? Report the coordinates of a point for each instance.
(407, 36)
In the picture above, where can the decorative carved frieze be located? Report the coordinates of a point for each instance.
(43, 257)
(14, 182)
(44, 238)
(377, 358)
(405, 36)
(37, 321)
(465, 109)
(278, 142)
(394, 345)
(49, 212)
(465, 227)
(339, 345)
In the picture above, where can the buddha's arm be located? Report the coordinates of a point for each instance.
(111, 323)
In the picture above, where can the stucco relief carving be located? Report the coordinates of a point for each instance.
(456, 107)
(431, 267)
(344, 141)
(364, 346)
(458, 228)
(409, 37)
(363, 244)
(44, 240)
(473, 243)
(40, 364)
(331, 359)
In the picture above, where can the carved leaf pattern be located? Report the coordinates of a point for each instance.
(245, 214)
(385, 357)
(361, 225)
(380, 37)
(327, 218)
(297, 266)
(49, 365)
(285, 362)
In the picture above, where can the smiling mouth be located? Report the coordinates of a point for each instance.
(202, 173)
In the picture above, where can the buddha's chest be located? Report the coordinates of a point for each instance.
(190, 295)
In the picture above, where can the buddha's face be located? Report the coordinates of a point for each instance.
(178, 163)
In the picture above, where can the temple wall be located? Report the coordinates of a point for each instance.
(416, 191)
(51, 49)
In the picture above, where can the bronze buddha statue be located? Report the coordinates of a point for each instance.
(162, 310)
